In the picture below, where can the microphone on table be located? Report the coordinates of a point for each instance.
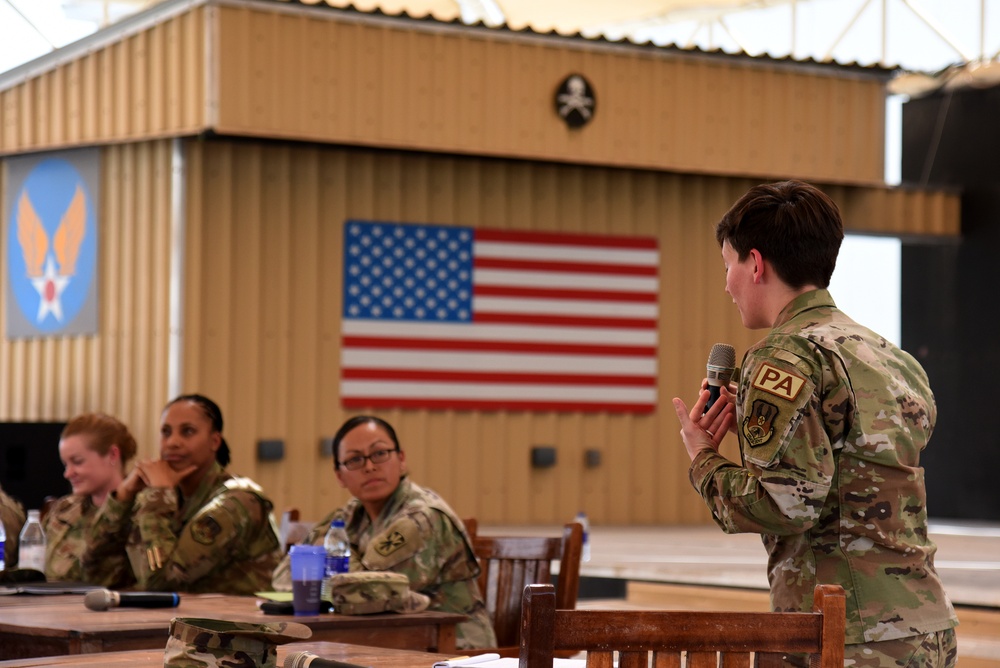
(310, 660)
(103, 599)
(720, 369)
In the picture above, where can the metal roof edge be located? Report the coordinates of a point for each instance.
(351, 12)
(163, 11)
(112, 34)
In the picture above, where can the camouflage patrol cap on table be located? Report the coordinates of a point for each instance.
(370, 592)
(216, 643)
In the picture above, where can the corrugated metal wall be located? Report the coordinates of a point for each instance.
(264, 303)
(122, 370)
(149, 84)
(340, 78)
(347, 78)
(262, 272)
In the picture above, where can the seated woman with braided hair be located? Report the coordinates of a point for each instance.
(395, 525)
(185, 522)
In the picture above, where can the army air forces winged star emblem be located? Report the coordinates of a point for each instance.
(47, 281)
(52, 247)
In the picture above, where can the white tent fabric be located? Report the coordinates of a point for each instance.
(921, 35)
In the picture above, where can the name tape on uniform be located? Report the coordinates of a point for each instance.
(778, 382)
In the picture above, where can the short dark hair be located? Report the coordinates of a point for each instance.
(357, 421)
(795, 226)
(214, 414)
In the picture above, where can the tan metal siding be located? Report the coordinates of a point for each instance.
(122, 370)
(322, 77)
(263, 247)
(150, 84)
(263, 304)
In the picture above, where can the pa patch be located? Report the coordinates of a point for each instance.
(206, 530)
(392, 542)
(782, 384)
(758, 426)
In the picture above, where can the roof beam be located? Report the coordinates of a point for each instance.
(487, 11)
(48, 41)
(924, 16)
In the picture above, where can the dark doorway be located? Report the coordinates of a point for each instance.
(952, 140)
(30, 468)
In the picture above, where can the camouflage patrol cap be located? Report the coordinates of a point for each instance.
(369, 592)
(215, 643)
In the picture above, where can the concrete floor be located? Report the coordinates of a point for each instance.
(968, 558)
(703, 568)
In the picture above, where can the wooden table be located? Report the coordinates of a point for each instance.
(379, 657)
(35, 626)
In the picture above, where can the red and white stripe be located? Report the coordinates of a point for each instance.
(560, 322)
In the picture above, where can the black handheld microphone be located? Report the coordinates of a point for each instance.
(103, 599)
(310, 660)
(720, 368)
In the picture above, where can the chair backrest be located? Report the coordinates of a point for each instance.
(509, 563)
(707, 638)
(291, 530)
(471, 526)
(47, 504)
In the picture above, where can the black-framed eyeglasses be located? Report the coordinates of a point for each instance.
(358, 461)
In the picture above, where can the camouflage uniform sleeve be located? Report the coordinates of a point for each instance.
(13, 517)
(104, 560)
(424, 546)
(165, 560)
(281, 580)
(788, 454)
(431, 551)
(65, 534)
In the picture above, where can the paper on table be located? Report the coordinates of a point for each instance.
(280, 596)
(467, 661)
(507, 662)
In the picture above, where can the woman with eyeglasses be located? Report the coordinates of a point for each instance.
(186, 523)
(395, 525)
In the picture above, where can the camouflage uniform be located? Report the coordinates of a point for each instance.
(372, 592)
(223, 539)
(13, 516)
(419, 535)
(216, 643)
(67, 526)
(831, 420)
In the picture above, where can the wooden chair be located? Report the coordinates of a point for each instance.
(291, 530)
(509, 563)
(47, 504)
(709, 639)
(471, 526)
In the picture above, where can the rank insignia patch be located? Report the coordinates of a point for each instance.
(778, 382)
(758, 427)
(390, 543)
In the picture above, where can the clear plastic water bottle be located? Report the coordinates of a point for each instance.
(31, 552)
(581, 518)
(3, 546)
(338, 554)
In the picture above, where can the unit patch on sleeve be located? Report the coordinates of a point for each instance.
(780, 383)
(399, 541)
(758, 426)
(390, 543)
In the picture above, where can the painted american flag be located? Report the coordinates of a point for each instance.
(467, 318)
